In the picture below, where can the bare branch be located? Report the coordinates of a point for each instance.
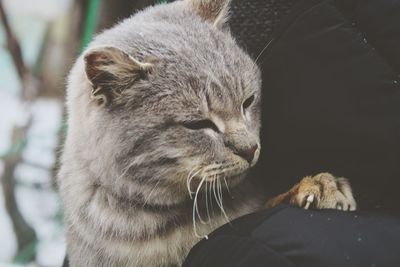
(13, 46)
(24, 233)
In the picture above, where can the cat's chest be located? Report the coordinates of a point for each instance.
(165, 251)
(170, 250)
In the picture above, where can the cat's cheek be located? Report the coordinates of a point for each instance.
(211, 133)
(247, 116)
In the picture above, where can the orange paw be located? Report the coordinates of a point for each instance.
(324, 191)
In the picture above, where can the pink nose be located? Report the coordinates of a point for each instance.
(248, 153)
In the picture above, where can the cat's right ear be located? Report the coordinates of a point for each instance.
(110, 71)
(214, 11)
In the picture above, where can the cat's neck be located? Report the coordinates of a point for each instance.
(122, 226)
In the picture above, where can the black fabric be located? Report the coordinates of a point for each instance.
(331, 98)
(255, 21)
(65, 262)
(292, 237)
(331, 102)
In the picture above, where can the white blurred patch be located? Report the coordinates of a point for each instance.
(44, 9)
(37, 201)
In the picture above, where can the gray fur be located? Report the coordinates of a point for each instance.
(129, 160)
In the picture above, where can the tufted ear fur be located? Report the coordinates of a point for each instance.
(214, 11)
(110, 71)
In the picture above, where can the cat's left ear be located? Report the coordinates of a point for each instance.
(214, 11)
(110, 69)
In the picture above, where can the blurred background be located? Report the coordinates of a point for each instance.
(39, 41)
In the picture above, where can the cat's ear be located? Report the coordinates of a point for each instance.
(110, 71)
(214, 11)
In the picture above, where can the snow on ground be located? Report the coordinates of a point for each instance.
(40, 9)
(37, 200)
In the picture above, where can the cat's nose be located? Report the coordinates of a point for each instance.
(247, 153)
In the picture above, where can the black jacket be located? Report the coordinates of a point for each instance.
(293, 237)
(331, 102)
(331, 92)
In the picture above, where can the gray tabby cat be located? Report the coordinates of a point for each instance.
(164, 121)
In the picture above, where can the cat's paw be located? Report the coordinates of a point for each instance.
(324, 191)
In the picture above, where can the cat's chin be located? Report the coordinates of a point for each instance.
(224, 182)
(236, 180)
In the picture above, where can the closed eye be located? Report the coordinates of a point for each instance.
(200, 124)
(247, 103)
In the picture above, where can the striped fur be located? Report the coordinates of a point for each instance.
(139, 187)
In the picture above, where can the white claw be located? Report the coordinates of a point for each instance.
(310, 200)
(353, 207)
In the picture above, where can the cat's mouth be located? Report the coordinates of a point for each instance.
(209, 182)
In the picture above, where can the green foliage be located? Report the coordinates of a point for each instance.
(15, 148)
(27, 254)
(90, 23)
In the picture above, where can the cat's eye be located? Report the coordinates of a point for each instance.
(247, 103)
(200, 124)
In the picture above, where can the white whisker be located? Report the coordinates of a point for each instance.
(220, 199)
(227, 187)
(223, 171)
(125, 170)
(208, 211)
(189, 180)
(263, 50)
(214, 167)
(195, 200)
(196, 210)
(151, 192)
(213, 187)
(212, 206)
(216, 193)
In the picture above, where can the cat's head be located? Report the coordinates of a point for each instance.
(172, 100)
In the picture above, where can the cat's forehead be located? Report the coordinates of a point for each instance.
(195, 63)
(217, 67)
(200, 95)
(209, 80)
